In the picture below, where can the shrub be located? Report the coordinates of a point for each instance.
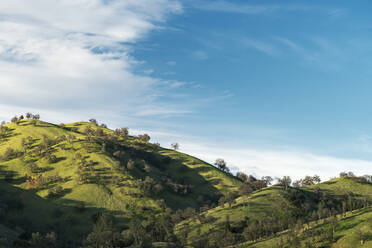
(144, 137)
(56, 191)
(131, 165)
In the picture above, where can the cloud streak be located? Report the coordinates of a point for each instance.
(76, 55)
(261, 46)
(276, 162)
(249, 9)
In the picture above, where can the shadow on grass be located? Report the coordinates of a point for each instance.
(71, 220)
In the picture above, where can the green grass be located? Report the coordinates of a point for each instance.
(272, 201)
(71, 214)
(346, 233)
(103, 195)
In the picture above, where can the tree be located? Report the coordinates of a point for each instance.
(351, 174)
(368, 178)
(104, 234)
(93, 121)
(28, 115)
(221, 164)
(122, 132)
(242, 176)
(343, 174)
(175, 146)
(144, 137)
(245, 189)
(14, 120)
(39, 241)
(361, 235)
(138, 233)
(297, 184)
(285, 181)
(316, 179)
(130, 164)
(267, 179)
(36, 117)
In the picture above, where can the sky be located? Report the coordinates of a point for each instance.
(273, 87)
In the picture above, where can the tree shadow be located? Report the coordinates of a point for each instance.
(178, 172)
(71, 220)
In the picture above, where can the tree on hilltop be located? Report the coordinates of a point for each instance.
(144, 137)
(93, 121)
(14, 120)
(175, 146)
(221, 164)
(285, 181)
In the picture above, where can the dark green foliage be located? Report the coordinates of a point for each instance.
(55, 191)
(104, 234)
(144, 137)
(43, 241)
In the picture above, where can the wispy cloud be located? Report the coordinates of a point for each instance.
(276, 162)
(199, 55)
(337, 13)
(290, 44)
(261, 46)
(244, 8)
(171, 63)
(63, 55)
(224, 6)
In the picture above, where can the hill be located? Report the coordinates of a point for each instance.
(273, 210)
(84, 185)
(56, 176)
(351, 230)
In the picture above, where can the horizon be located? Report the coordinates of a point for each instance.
(274, 89)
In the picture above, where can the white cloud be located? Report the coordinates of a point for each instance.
(244, 8)
(74, 55)
(171, 63)
(199, 55)
(261, 46)
(225, 6)
(275, 162)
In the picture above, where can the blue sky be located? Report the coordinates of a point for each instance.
(274, 87)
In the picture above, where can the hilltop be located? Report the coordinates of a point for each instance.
(65, 175)
(269, 211)
(85, 185)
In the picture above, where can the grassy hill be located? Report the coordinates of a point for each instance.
(353, 230)
(65, 175)
(58, 183)
(274, 209)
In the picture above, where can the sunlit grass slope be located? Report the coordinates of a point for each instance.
(110, 186)
(277, 203)
(351, 231)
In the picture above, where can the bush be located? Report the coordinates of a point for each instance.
(55, 192)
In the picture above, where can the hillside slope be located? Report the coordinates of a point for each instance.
(352, 230)
(274, 209)
(67, 174)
